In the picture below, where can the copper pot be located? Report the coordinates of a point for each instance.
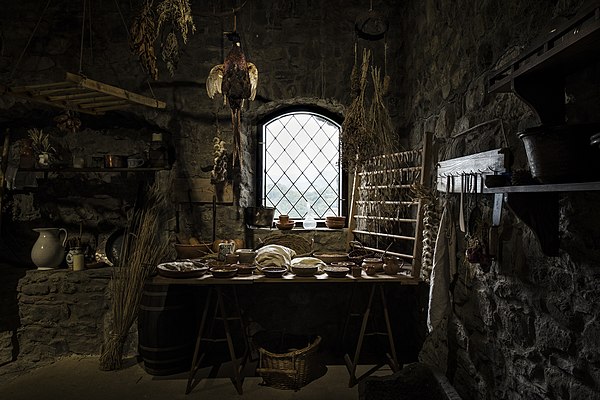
(114, 161)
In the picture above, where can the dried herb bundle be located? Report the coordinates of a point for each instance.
(146, 28)
(355, 137)
(179, 14)
(379, 117)
(143, 36)
(143, 248)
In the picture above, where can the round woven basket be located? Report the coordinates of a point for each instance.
(298, 243)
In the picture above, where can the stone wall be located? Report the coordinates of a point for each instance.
(526, 327)
(59, 313)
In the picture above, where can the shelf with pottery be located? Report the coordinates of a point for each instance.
(535, 205)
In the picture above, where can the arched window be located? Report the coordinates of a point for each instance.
(300, 165)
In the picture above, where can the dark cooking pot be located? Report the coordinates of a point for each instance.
(259, 216)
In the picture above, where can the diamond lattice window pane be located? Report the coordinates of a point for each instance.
(301, 165)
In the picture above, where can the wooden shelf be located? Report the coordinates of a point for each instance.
(554, 187)
(537, 75)
(81, 94)
(85, 170)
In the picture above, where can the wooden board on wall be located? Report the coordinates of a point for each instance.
(201, 190)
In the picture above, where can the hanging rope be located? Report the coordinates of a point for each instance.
(82, 37)
(12, 74)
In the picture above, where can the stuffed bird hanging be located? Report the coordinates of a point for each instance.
(236, 79)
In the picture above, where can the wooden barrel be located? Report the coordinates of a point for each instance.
(166, 328)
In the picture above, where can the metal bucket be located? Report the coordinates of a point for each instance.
(561, 153)
(259, 216)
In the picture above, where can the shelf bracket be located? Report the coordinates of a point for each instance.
(539, 211)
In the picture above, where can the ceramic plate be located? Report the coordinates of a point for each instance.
(181, 270)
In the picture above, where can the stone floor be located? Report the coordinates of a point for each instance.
(78, 377)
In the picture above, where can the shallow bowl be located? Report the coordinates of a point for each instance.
(336, 272)
(273, 272)
(224, 272)
(330, 257)
(306, 270)
(245, 269)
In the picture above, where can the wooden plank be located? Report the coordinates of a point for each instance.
(425, 181)
(28, 88)
(370, 217)
(392, 202)
(352, 213)
(115, 91)
(489, 162)
(79, 97)
(387, 235)
(551, 187)
(102, 110)
(201, 190)
(102, 104)
(388, 171)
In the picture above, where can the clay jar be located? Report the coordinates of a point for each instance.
(284, 219)
(392, 265)
(372, 265)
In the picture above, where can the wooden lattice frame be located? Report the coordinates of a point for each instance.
(374, 201)
(81, 94)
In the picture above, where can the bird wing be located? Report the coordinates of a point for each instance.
(214, 80)
(253, 72)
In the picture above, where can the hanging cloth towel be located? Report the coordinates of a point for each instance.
(444, 266)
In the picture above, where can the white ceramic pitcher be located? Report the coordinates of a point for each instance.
(48, 251)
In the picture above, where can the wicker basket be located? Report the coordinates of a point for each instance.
(298, 243)
(290, 370)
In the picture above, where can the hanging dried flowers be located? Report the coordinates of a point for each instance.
(219, 171)
(179, 14)
(146, 28)
(143, 36)
(68, 122)
(357, 141)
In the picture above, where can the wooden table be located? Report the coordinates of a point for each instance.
(217, 287)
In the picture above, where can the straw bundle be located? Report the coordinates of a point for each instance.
(143, 248)
(356, 138)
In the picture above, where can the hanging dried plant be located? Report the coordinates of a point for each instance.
(143, 36)
(379, 117)
(219, 171)
(170, 52)
(68, 122)
(178, 13)
(357, 144)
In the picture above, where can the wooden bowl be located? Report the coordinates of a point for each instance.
(245, 269)
(304, 270)
(330, 257)
(286, 226)
(336, 272)
(224, 272)
(273, 272)
(192, 250)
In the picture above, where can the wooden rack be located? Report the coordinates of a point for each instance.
(384, 216)
(81, 94)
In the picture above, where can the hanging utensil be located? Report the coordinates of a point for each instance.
(461, 215)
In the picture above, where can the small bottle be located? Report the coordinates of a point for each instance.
(157, 154)
(309, 221)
